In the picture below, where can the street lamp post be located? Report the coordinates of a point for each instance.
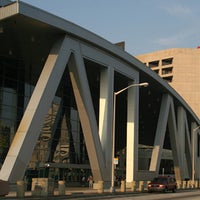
(193, 164)
(145, 84)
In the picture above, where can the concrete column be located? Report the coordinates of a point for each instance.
(195, 184)
(61, 187)
(182, 141)
(20, 189)
(141, 186)
(132, 134)
(100, 187)
(83, 98)
(146, 185)
(42, 186)
(105, 117)
(4, 185)
(123, 186)
(178, 185)
(184, 184)
(189, 184)
(36, 189)
(160, 134)
(133, 186)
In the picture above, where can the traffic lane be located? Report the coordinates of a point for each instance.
(179, 195)
(186, 195)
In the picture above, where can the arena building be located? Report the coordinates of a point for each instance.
(58, 114)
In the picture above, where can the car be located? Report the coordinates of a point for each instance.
(162, 184)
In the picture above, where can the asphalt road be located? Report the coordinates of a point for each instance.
(180, 195)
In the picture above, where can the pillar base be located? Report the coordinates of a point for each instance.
(4, 188)
(20, 189)
(100, 187)
(61, 187)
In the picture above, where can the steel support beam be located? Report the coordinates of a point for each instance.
(29, 129)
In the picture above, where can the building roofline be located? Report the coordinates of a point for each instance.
(171, 50)
(21, 8)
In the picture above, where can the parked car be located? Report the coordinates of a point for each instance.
(162, 184)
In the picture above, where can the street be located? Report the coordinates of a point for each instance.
(194, 195)
(181, 195)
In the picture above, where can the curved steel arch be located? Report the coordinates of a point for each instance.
(66, 44)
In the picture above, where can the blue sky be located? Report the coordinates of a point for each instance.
(144, 25)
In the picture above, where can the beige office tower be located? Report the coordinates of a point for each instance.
(180, 67)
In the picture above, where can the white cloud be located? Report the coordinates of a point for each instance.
(176, 39)
(168, 41)
(178, 10)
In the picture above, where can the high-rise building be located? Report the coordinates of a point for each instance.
(180, 67)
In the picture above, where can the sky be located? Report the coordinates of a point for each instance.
(145, 25)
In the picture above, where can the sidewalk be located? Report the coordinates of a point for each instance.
(71, 192)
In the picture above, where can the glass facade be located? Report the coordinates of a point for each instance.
(11, 102)
(61, 140)
(60, 152)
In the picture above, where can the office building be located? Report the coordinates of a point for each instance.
(180, 67)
